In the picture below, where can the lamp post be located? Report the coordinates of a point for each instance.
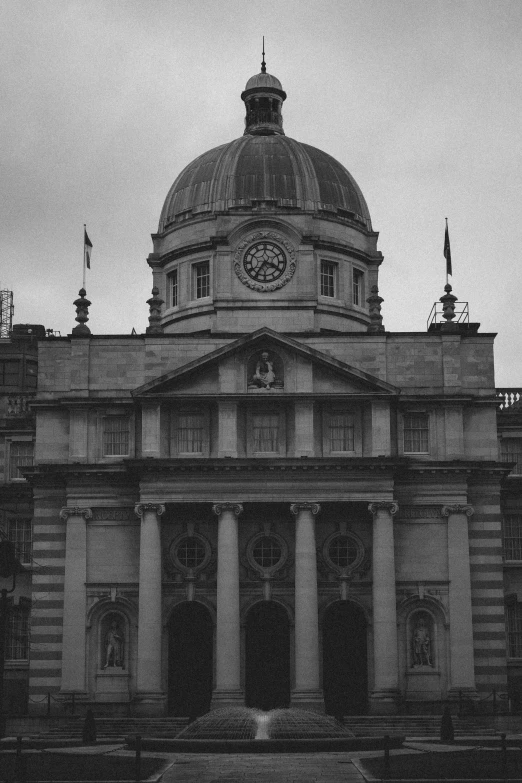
(9, 567)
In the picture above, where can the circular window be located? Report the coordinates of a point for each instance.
(190, 552)
(264, 262)
(343, 551)
(267, 552)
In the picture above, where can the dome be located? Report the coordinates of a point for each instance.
(269, 168)
(263, 80)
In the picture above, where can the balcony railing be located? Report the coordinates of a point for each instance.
(509, 397)
(18, 405)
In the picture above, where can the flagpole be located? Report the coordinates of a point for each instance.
(446, 259)
(84, 231)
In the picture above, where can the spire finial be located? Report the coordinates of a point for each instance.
(263, 64)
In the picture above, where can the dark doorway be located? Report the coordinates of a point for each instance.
(267, 648)
(345, 663)
(190, 660)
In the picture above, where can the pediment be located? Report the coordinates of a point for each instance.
(241, 367)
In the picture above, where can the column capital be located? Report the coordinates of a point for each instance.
(383, 505)
(75, 511)
(235, 508)
(314, 508)
(457, 509)
(141, 508)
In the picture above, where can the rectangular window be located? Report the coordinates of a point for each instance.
(357, 287)
(328, 278)
(17, 641)
(265, 431)
(116, 436)
(202, 280)
(342, 428)
(190, 432)
(172, 293)
(20, 533)
(512, 534)
(514, 630)
(511, 451)
(9, 373)
(416, 433)
(21, 455)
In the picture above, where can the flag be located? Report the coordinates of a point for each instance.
(87, 250)
(447, 251)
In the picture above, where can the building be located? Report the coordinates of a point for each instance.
(267, 498)
(18, 376)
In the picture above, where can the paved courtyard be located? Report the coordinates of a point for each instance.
(247, 768)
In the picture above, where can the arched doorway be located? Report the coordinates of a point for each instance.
(267, 649)
(345, 662)
(190, 660)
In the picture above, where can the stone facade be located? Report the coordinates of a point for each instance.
(267, 498)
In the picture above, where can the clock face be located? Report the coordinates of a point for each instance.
(264, 262)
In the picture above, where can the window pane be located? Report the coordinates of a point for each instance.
(19, 532)
(190, 432)
(511, 451)
(341, 432)
(416, 432)
(17, 642)
(266, 432)
(514, 630)
(21, 455)
(267, 552)
(191, 552)
(328, 270)
(343, 551)
(512, 534)
(202, 280)
(357, 286)
(173, 288)
(9, 373)
(116, 436)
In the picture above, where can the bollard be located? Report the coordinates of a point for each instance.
(504, 756)
(138, 758)
(386, 774)
(19, 771)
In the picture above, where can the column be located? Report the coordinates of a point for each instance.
(227, 429)
(228, 649)
(74, 599)
(462, 677)
(151, 430)
(149, 691)
(304, 429)
(386, 662)
(307, 693)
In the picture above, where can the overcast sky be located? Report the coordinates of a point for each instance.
(103, 102)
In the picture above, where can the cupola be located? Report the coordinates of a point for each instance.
(263, 96)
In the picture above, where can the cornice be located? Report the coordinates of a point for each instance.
(345, 248)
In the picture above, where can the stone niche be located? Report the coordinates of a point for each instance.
(423, 673)
(112, 672)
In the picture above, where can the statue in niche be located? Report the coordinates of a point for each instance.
(421, 643)
(114, 646)
(263, 373)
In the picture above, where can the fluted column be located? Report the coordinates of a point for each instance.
(307, 692)
(74, 598)
(385, 654)
(228, 652)
(150, 696)
(462, 671)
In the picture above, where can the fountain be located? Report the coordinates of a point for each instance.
(250, 730)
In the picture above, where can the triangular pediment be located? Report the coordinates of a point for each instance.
(202, 375)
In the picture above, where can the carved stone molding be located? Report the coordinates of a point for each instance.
(457, 509)
(219, 508)
(384, 505)
(112, 514)
(75, 511)
(419, 512)
(314, 508)
(142, 508)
